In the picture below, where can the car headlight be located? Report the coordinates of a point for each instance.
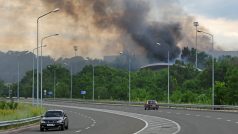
(42, 121)
(60, 121)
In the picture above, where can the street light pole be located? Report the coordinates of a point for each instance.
(18, 77)
(129, 78)
(71, 80)
(196, 25)
(168, 101)
(41, 65)
(93, 82)
(37, 46)
(213, 73)
(168, 80)
(33, 74)
(93, 79)
(129, 81)
(54, 84)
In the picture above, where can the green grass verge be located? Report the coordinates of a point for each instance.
(22, 111)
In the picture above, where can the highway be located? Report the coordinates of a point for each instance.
(97, 119)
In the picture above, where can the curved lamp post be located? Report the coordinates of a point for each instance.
(213, 92)
(129, 78)
(158, 44)
(41, 81)
(37, 46)
(33, 75)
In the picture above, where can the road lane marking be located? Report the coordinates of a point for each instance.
(173, 128)
(219, 118)
(228, 120)
(78, 131)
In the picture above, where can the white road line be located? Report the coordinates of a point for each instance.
(219, 118)
(237, 122)
(173, 128)
(188, 114)
(78, 131)
(87, 127)
(228, 120)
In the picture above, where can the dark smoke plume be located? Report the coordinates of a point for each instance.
(129, 18)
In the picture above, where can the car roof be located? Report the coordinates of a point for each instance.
(55, 110)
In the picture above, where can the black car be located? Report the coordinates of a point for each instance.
(151, 104)
(54, 119)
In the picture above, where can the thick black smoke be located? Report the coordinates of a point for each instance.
(133, 20)
(129, 17)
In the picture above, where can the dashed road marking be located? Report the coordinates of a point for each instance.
(166, 126)
(218, 118)
(87, 127)
(78, 131)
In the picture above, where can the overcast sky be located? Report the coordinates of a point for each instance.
(220, 17)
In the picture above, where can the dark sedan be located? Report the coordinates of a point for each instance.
(54, 119)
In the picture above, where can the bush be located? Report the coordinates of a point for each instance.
(8, 105)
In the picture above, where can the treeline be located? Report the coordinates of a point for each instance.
(187, 84)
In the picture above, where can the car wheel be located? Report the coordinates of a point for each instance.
(62, 127)
(41, 129)
(67, 127)
(145, 108)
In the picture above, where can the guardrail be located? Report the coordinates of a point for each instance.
(228, 108)
(18, 122)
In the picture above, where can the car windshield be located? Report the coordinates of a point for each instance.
(53, 114)
(151, 102)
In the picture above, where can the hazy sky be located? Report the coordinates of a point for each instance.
(18, 27)
(219, 17)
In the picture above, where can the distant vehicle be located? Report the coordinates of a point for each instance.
(54, 119)
(151, 104)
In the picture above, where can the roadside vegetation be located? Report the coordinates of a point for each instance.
(14, 111)
(187, 84)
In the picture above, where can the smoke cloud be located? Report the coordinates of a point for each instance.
(106, 27)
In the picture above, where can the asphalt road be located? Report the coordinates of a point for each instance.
(91, 122)
(191, 122)
(84, 121)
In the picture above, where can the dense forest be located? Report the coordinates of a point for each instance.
(187, 84)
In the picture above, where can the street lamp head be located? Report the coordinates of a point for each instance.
(158, 43)
(121, 52)
(199, 31)
(195, 24)
(56, 10)
(86, 59)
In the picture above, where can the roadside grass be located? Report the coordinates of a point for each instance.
(22, 111)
